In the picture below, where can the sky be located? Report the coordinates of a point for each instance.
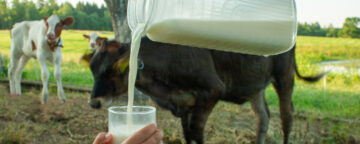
(325, 12)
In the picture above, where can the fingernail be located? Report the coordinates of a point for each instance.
(155, 125)
(108, 137)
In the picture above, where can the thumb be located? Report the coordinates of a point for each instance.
(103, 138)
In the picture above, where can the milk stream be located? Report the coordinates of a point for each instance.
(249, 37)
(134, 51)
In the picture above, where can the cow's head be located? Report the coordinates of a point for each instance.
(109, 66)
(54, 26)
(94, 40)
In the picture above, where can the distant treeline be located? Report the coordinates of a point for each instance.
(88, 16)
(350, 29)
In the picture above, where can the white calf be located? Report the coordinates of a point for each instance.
(94, 40)
(40, 40)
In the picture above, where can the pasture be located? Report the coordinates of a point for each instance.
(324, 113)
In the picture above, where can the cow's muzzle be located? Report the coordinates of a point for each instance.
(97, 103)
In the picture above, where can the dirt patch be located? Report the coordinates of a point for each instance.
(23, 119)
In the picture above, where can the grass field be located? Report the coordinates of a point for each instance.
(24, 120)
(339, 100)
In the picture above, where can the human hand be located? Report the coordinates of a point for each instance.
(103, 138)
(147, 135)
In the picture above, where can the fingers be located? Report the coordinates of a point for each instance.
(103, 138)
(142, 135)
(155, 138)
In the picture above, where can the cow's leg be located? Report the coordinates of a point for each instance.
(57, 75)
(194, 123)
(45, 79)
(21, 65)
(185, 122)
(13, 64)
(286, 113)
(259, 106)
(284, 88)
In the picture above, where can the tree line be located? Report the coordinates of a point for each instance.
(88, 16)
(350, 29)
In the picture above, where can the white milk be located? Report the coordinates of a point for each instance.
(134, 50)
(122, 132)
(249, 37)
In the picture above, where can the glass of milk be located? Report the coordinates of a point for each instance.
(123, 124)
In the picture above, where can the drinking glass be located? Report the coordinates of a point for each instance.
(123, 124)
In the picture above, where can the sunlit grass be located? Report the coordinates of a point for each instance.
(340, 98)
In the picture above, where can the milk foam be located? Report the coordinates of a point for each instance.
(121, 132)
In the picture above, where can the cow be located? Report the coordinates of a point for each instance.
(40, 40)
(94, 40)
(189, 81)
(94, 43)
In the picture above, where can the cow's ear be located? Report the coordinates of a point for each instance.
(100, 40)
(87, 57)
(86, 36)
(68, 21)
(113, 46)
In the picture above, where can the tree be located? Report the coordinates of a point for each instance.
(118, 12)
(65, 10)
(331, 31)
(313, 29)
(49, 7)
(80, 6)
(5, 20)
(351, 28)
(81, 21)
(107, 20)
(18, 11)
(87, 16)
(32, 12)
(95, 21)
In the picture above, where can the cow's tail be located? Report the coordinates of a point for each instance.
(309, 78)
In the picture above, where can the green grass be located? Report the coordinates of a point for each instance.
(312, 50)
(316, 49)
(333, 102)
(341, 98)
